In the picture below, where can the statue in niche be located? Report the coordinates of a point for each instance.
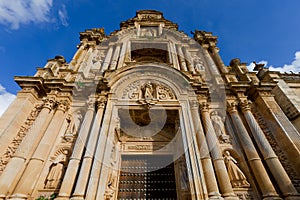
(218, 123)
(236, 176)
(73, 124)
(56, 171)
(198, 65)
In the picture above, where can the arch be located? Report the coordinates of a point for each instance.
(178, 82)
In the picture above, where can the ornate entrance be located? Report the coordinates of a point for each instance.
(146, 177)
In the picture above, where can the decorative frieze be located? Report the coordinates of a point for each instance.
(11, 149)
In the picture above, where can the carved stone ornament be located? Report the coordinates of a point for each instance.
(74, 122)
(56, 171)
(218, 123)
(13, 146)
(148, 93)
(236, 176)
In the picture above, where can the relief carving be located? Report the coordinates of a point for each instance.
(236, 176)
(72, 127)
(11, 149)
(56, 171)
(148, 93)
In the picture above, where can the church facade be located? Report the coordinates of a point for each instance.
(148, 112)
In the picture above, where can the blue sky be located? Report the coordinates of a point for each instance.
(32, 31)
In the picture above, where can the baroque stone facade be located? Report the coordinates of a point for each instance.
(148, 112)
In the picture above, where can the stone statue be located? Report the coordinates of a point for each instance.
(237, 177)
(56, 171)
(218, 124)
(73, 123)
(148, 91)
(199, 67)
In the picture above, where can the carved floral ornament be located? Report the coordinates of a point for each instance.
(148, 92)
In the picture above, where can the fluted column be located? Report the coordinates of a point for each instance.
(26, 148)
(208, 170)
(73, 166)
(107, 59)
(260, 173)
(82, 180)
(115, 57)
(279, 174)
(181, 58)
(99, 154)
(35, 165)
(218, 161)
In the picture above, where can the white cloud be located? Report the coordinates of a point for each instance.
(63, 16)
(5, 99)
(16, 12)
(293, 67)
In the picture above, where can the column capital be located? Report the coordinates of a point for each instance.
(101, 102)
(63, 105)
(91, 103)
(232, 107)
(204, 107)
(194, 104)
(245, 105)
(49, 102)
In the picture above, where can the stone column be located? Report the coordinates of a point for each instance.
(35, 165)
(181, 58)
(99, 154)
(285, 134)
(122, 55)
(115, 57)
(260, 173)
(213, 68)
(14, 168)
(189, 59)
(83, 178)
(73, 166)
(209, 174)
(218, 160)
(174, 56)
(76, 58)
(279, 174)
(192, 153)
(218, 59)
(107, 59)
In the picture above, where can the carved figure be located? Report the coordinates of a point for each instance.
(110, 190)
(148, 91)
(199, 67)
(237, 177)
(73, 123)
(56, 171)
(218, 124)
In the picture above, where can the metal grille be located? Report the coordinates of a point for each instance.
(145, 177)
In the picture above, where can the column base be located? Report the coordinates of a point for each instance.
(18, 197)
(215, 195)
(272, 198)
(79, 197)
(231, 198)
(292, 197)
(62, 197)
